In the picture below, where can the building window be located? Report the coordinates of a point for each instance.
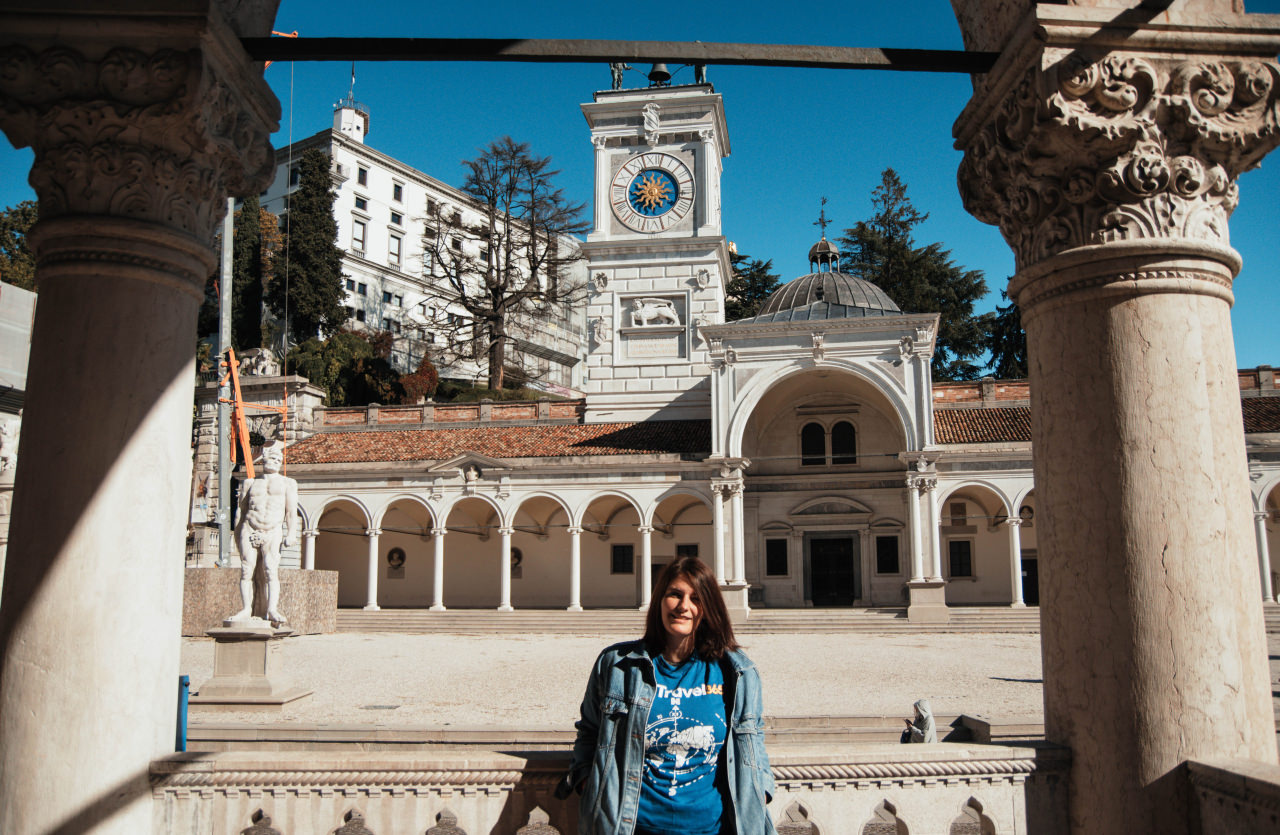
(362, 176)
(393, 251)
(386, 323)
(386, 297)
(362, 204)
(428, 261)
(484, 254)
(397, 300)
(359, 315)
(295, 174)
(813, 445)
(397, 218)
(351, 312)
(455, 244)
(687, 550)
(960, 557)
(362, 289)
(623, 559)
(432, 206)
(959, 514)
(357, 235)
(775, 557)
(351, 286)
(887, 555)
(844, 446)
(397, 192)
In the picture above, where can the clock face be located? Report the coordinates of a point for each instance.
(651, 192)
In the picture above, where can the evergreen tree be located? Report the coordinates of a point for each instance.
(247, 279)
(919, 279)
(1007, 342)
(17, 265)
(752, 283)
(308, 267)
(348, 367)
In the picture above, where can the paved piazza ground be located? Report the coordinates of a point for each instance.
(436, 681)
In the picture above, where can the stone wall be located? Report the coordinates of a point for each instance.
(309, 599)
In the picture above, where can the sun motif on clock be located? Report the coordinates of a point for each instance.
(652, 192)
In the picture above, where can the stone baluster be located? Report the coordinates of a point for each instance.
(575, 568)
(437, 569)
(371, 597)
(1107, 153)
(141, 126)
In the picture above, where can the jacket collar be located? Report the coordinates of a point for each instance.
(737, 658)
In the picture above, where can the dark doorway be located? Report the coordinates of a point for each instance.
(833, 571)
(1030, 582)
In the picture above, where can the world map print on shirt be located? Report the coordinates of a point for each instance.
(685, 734)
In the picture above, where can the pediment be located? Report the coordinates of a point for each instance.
(830, 506)
(469, 459)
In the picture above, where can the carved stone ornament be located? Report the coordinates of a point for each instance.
(653, 311)
(703, 279)
(353, 824)
(906, 347)
(819, 351)
(157, 136)
(261, 825)
(1096, 149)
(539, 824)
(650, 113)
(601, 281)
(599, 330)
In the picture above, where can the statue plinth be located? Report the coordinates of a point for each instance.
(928, 602)
(242, 677)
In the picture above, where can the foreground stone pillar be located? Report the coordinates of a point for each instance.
(575, 568)
(140, 125)
(1105, 144)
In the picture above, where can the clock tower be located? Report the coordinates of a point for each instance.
(656, 258)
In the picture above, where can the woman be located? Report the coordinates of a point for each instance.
(922, 729)
(670, 741)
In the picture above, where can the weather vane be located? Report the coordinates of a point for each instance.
(822, 218)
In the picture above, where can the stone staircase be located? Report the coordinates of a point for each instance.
(624, 623)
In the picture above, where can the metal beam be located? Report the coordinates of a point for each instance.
(552, 51)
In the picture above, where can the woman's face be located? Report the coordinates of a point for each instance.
(681, 610)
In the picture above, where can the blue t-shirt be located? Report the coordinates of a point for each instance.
(686, 731)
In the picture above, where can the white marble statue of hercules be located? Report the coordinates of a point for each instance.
(268, 519)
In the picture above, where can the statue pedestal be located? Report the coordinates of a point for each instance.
(241, 670)
(735, 600)
(928, 602)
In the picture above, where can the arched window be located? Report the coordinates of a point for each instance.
(813, 445)
(844, 443)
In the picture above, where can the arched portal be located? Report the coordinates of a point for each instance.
(473, 551)
(1270, 507)
(682, 526)
(405, 554)
(976, 557)
(540, 554)
(342, 546)
(611, 552)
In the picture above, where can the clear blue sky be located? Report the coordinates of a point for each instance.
(796, 135)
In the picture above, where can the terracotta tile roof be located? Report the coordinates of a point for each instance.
(1261, 414)
(689, 437)
(982, 426)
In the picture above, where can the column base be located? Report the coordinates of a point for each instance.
(373, 607)
(735, 600)
(506, 608)
(574, 608)
(437, 607)
(242, 671)
(1017, 604)
(928, 602)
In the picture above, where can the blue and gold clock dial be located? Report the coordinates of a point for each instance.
(651, 192)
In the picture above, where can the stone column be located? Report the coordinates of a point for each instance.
(917, 544)
(437, 569)
(575, 568)
(1014, 524)
(717, 531)
(738, 537)
(1264, 555)
(309, 549)
(140, 125)
(371, 598)
(709, 188)
(1108, 155)
(603, 177)
(929, 495)
(504, 603)
(646, 566)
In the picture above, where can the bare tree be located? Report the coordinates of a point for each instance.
(501, 277)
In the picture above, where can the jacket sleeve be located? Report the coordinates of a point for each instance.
(754, 706)
(588, 725)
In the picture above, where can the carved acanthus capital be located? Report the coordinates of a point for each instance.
(158, 136)
(1097, 148)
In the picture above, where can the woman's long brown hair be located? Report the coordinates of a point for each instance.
(714, 636)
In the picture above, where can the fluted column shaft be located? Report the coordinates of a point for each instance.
(139, 131)
(1112, 176)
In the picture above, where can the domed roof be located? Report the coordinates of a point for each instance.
(826, 295)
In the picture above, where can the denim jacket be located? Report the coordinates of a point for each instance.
(608, 756)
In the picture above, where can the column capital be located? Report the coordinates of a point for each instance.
(1261, 515)
(573, 530)
(159, 135)
(644, 530)
(371, 532)
(1014, 521)
(1084, 136)
(310, 532)
(438, 532)
(922, 483)
(506, 530)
